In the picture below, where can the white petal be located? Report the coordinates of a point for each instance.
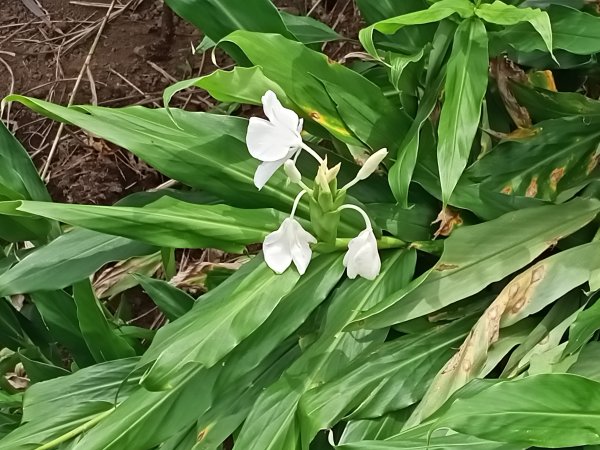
(277, 249)
(269, 142)
(362, 257)
(277, 114)
(301, 251)
(265, 171)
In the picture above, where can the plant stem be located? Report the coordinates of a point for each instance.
(384, 242)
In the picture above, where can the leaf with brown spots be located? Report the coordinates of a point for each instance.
(527, 293)
(553, 163)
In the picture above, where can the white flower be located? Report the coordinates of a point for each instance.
(290, 243)
(362, 258)
(273, 141)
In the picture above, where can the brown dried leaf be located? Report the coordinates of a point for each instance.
(448, 220)
(467, 363)
(18, 378)
(504, 70)
(193, 276)
(118, 278)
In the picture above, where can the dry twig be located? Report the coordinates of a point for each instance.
(86, 63)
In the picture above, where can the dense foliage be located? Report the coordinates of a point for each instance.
(480, 330)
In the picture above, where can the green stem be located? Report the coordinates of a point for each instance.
(80, 429)
(384, 242)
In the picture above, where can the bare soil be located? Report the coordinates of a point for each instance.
(141, 51)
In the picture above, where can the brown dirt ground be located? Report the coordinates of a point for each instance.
(138, 55)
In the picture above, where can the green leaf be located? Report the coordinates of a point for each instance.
(406, 40)
(435, 13)
(98, 383)
(309, 78)
(476, 260)
(401, 172)
(12, 334)
(308, 30)
(502, 14)
(59, 313)
(465, 87)
(556, 410)
(237, 398)
(543, 104)
(587, 362)
(66, 260)
(172, 301)
(55, 407)
(188, 146)
(217, 19)
(19, 180)
(392, 377)
(374, 429)
(218, 323)
(553, 319)
(39, 370)
(376, 11)
(450, 442)
(553, 162)
(239, 85)
(291, 312)
(575, 31)
(409, 225)
(103, 342)
(275, 421)
(33, 435)
(584, 327)
(167, 222)
(18, 172)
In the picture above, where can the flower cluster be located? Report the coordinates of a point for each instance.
(277, 142)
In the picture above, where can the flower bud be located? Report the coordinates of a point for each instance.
(292, 172)
(371, 164)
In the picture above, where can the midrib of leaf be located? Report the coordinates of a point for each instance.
(464, 78)
(156, 213)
